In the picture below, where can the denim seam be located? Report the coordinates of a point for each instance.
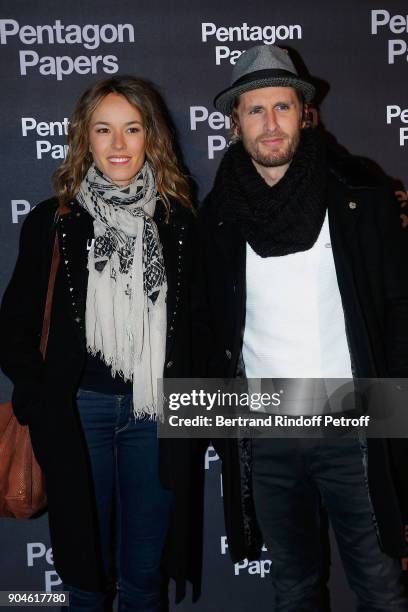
(119, 408)
(364, 458)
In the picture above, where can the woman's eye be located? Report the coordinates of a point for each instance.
(133, 130)
(102, 130)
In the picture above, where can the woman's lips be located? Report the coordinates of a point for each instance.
(119, 160)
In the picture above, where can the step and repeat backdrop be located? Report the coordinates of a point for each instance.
(50, 51)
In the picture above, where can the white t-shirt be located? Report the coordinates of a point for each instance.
(294, 325)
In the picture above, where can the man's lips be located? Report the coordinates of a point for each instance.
(272, 141)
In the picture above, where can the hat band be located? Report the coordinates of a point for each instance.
(263, 74)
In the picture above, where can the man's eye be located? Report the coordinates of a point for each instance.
(282, 106)
(256, 109)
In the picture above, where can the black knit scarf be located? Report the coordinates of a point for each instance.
(286, 218)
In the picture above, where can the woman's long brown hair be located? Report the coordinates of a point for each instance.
(171, 182)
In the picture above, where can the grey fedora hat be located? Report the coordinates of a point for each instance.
(262, 66)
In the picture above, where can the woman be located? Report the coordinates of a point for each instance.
(120, 319)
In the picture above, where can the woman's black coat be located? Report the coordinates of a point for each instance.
(44, 392)
(370, 252)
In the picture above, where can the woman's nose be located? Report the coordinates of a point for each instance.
(118, 141)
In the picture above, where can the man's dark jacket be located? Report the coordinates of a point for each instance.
(369, 251)
(44, 393)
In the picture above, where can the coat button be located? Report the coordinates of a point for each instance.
(228, 353)
(352, 205)
(169, 364)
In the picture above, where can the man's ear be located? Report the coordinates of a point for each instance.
(310, 117)
(235, 129)
(305, 117)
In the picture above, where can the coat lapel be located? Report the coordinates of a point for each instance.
(344, 208)
(172, 237)
(75, 231)
(230, 256)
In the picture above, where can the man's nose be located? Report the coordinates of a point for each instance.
(270, 120)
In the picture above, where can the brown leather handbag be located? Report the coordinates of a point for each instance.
(22, 485)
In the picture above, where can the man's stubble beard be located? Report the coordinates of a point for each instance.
(271, 159)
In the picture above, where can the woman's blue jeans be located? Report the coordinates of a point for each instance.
(132, 506)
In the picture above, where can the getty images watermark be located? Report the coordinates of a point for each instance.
(208, 408)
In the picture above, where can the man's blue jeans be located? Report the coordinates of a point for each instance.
(291, 479)
(132, 506)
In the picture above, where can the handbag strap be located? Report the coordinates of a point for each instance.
(62, 210)
(50, 292)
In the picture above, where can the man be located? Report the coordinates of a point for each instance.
(302, 276)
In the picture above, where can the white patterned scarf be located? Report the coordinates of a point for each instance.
(127, 286)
